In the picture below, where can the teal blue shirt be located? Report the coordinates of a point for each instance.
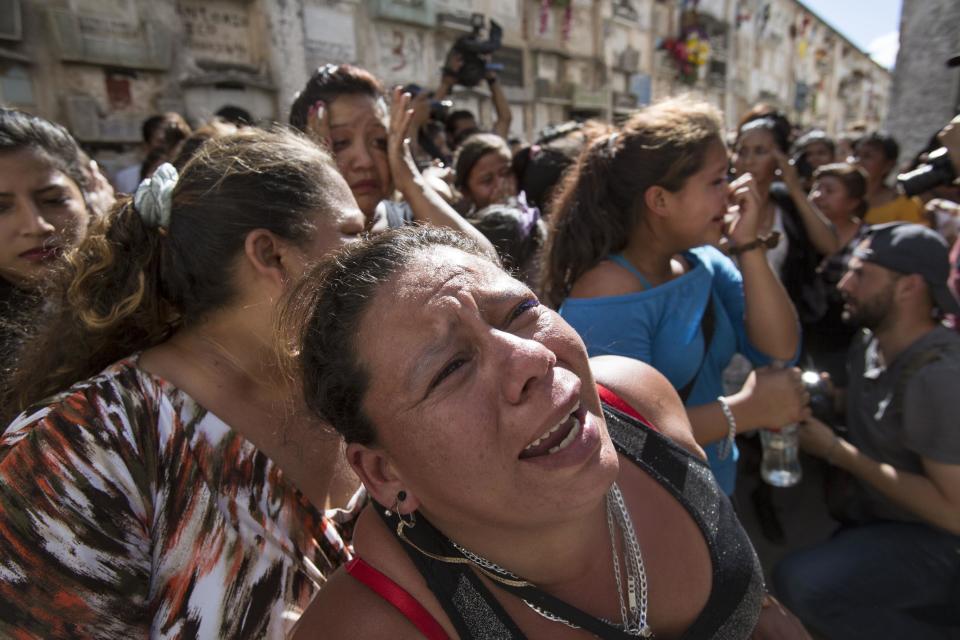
(662, 327)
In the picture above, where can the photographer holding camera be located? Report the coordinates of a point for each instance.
(468, 62)
(893, 568)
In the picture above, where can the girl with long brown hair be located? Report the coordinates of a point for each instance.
(630, 265)
(483, 172)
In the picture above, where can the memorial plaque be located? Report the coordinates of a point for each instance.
(218, 30)
(329, 36)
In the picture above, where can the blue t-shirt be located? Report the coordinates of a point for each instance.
(662, 327)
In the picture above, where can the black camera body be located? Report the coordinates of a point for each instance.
(821, 396)
(471, 48)
(937, 171)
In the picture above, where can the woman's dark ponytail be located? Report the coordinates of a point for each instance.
(601, 199)
(132, 282)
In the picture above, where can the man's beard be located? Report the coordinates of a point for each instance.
(871, 313)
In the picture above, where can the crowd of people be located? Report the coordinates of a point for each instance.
(375, 372)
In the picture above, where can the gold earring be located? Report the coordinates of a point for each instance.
(401, 496)
(411, 520)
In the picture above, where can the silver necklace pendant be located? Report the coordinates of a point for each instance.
(633, 559)
(550, 616)
(633, 611)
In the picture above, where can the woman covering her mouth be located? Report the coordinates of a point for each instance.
(43, 210)
(519, 489)
(631, 264)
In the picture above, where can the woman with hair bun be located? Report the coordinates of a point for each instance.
(163, 478)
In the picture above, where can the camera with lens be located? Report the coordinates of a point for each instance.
(937, 171)
(471, 49)
(821, 396)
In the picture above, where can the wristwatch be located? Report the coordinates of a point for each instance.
(769, 241)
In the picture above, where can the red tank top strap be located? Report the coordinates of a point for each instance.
(609, 397)
(396, 595)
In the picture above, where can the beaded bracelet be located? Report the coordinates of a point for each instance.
(727, 447)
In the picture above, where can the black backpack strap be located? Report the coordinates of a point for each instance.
(707, 325)
(472, 609)
(914, 364)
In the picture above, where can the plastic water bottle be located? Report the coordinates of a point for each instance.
(781, 454)
(781, 461)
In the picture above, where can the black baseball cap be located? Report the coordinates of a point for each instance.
(954, 60)
(912, 248)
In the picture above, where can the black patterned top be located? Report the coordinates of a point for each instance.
(733, 607)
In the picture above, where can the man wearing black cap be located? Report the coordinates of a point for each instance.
(893, 569)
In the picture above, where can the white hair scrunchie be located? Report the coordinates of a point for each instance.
(154, 197)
